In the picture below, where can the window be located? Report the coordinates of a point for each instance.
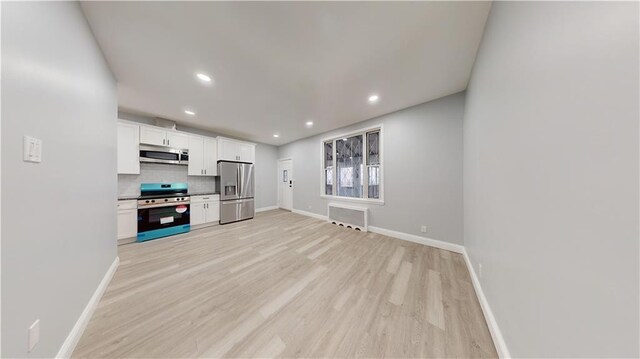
(346, 177)
(328, 168)
(373, 163)
(357, 160)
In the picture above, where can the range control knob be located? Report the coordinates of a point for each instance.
(166, 200)
(147, 201)
(153, 201)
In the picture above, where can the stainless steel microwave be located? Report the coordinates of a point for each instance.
(161, 154)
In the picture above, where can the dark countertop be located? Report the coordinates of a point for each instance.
(135, 197)
(203, 193)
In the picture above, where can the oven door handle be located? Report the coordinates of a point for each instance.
(173, 204)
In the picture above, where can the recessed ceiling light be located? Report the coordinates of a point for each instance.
(374, 98)
(203, 77)
(309, 123)
(276, 135)
(189, 112)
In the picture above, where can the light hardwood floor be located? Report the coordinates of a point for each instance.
(286, 285)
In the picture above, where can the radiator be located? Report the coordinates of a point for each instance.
(348, 216)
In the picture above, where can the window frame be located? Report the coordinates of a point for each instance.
(365, 188)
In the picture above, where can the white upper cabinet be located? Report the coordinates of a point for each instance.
(128, 148)
(162, 137)
(196, 156)
(247, 152)
(153, 136)
(203, 154)
(227, 150)
(210, 156)
(232, 150)
(177, 140)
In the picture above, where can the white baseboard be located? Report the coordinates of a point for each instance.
(399, 235)
(266, 209)
(496, 334)
(417, 239)
(310, 214)
(81, 324)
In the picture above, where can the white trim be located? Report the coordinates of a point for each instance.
(417, 239)
(334, 138)
(350, 133)
(266, 209)
(279, 182)
(399, 235)
(81, 324)
(375, 201)
(310, 214)
(496, 334)
(494, 330)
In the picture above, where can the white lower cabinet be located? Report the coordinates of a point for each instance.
(127, 219)
(205, 209)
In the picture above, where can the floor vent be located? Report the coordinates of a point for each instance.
(348, 216)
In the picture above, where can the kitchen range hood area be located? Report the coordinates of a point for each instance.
(170, 181)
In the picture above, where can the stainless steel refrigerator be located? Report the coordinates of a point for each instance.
(236, 191)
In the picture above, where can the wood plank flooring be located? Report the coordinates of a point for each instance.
(286, 285)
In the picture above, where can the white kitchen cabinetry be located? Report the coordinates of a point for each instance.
(128, 148)
(205, 209)
(153, 136)
(177, 140)
(203, 156)
(162, 137)
(210, 156)
(127, 219)
(232, 150)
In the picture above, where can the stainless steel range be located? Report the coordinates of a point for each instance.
(163, 210)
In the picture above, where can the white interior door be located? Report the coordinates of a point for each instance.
(285, 184)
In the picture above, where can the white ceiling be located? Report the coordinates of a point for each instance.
(277, 65)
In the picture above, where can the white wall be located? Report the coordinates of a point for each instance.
(58, 217)
(422, 170)
(551, 176)
(265, 167)
(266, 176)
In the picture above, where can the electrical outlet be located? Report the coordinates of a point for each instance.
(34, 334)
(423, 229)
(480, 270)
(32, 149)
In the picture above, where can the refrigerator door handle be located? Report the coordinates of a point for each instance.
(238, 184)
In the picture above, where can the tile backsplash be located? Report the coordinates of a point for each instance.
(129, 185)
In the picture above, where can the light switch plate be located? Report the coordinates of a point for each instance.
(32, 149)
(34, 334)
